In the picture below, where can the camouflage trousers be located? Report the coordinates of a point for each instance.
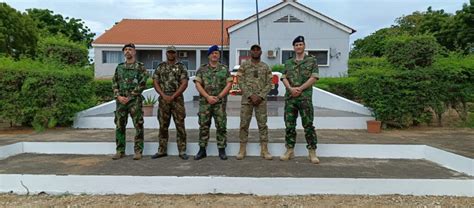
(165, 111)
(134, 108)
(216, 111)
(246, 111)
(306, 111)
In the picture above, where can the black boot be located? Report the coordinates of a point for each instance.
(159, 155)
(183, 156)
(201, 154)
(222, 154)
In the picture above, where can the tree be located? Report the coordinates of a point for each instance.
(419, 23)
(454, 32)
(374, 44)
(462, 29)
(54, 24)
(18, 34)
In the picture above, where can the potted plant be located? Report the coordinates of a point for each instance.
(374, 126)
(148, 104)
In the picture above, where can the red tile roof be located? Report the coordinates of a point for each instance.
(166, 32)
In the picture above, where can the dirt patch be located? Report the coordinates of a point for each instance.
(145, 200)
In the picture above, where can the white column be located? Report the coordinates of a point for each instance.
(163, 54)
(198, 58)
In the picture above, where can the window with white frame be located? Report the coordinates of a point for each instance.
(155, 63)
(322, 56)
(112, 57)
(244, 55)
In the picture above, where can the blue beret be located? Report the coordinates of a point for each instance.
(212, 49)
(298, 39)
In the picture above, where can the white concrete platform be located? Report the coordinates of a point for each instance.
(232, 123)
(78, 184)
(349, 114)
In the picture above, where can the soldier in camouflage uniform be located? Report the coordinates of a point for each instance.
(128, 83)
(170, 79)
(301, 72)
(255, 80)
(213, 81)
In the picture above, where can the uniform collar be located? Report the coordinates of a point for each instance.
(214, 68)
(300, 62)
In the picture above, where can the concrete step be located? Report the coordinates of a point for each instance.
(324, 118)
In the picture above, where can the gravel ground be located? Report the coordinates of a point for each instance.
(145, 200)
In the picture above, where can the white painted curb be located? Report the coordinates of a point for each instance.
(379, 151)
(79, 184)
(75, 184)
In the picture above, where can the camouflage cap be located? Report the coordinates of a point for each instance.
(171, 48)
(255, 45)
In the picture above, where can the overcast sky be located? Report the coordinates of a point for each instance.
(366, 16)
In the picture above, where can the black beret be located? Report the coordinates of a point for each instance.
(298, 39)
(131, 45)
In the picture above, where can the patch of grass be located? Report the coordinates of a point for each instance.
(470, 120)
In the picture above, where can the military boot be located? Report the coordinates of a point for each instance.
(222, 154)
(264, 151)
(137, 156)
(183, 155)
(118, 155)
(242, 151)
(312, 156)
(201, 154)
(161, 153)
(290, 153)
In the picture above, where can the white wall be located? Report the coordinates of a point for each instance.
(318, 35)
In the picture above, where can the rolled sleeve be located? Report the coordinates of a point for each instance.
(184, 73)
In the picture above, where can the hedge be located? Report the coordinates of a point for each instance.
(343, 86)
(103, 89)
(42, 95)
(358, 64)
(408, 97)
(411, 51)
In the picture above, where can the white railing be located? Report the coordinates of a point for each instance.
(191, 73)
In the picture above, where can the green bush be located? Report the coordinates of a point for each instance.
(63, 51)
(358, 64)
(455, 85)
(408, 97)
(411, 51)
(343, 86)
(278, 68)
(103, 89)
(42, 95)
(396, 97)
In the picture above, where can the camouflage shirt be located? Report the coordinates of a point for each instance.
(298, 72)
(169, 76)
(213, 80)
(129, 79)
(254, 79)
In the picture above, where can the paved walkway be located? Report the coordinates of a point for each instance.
(459, 141)
(300, 167)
